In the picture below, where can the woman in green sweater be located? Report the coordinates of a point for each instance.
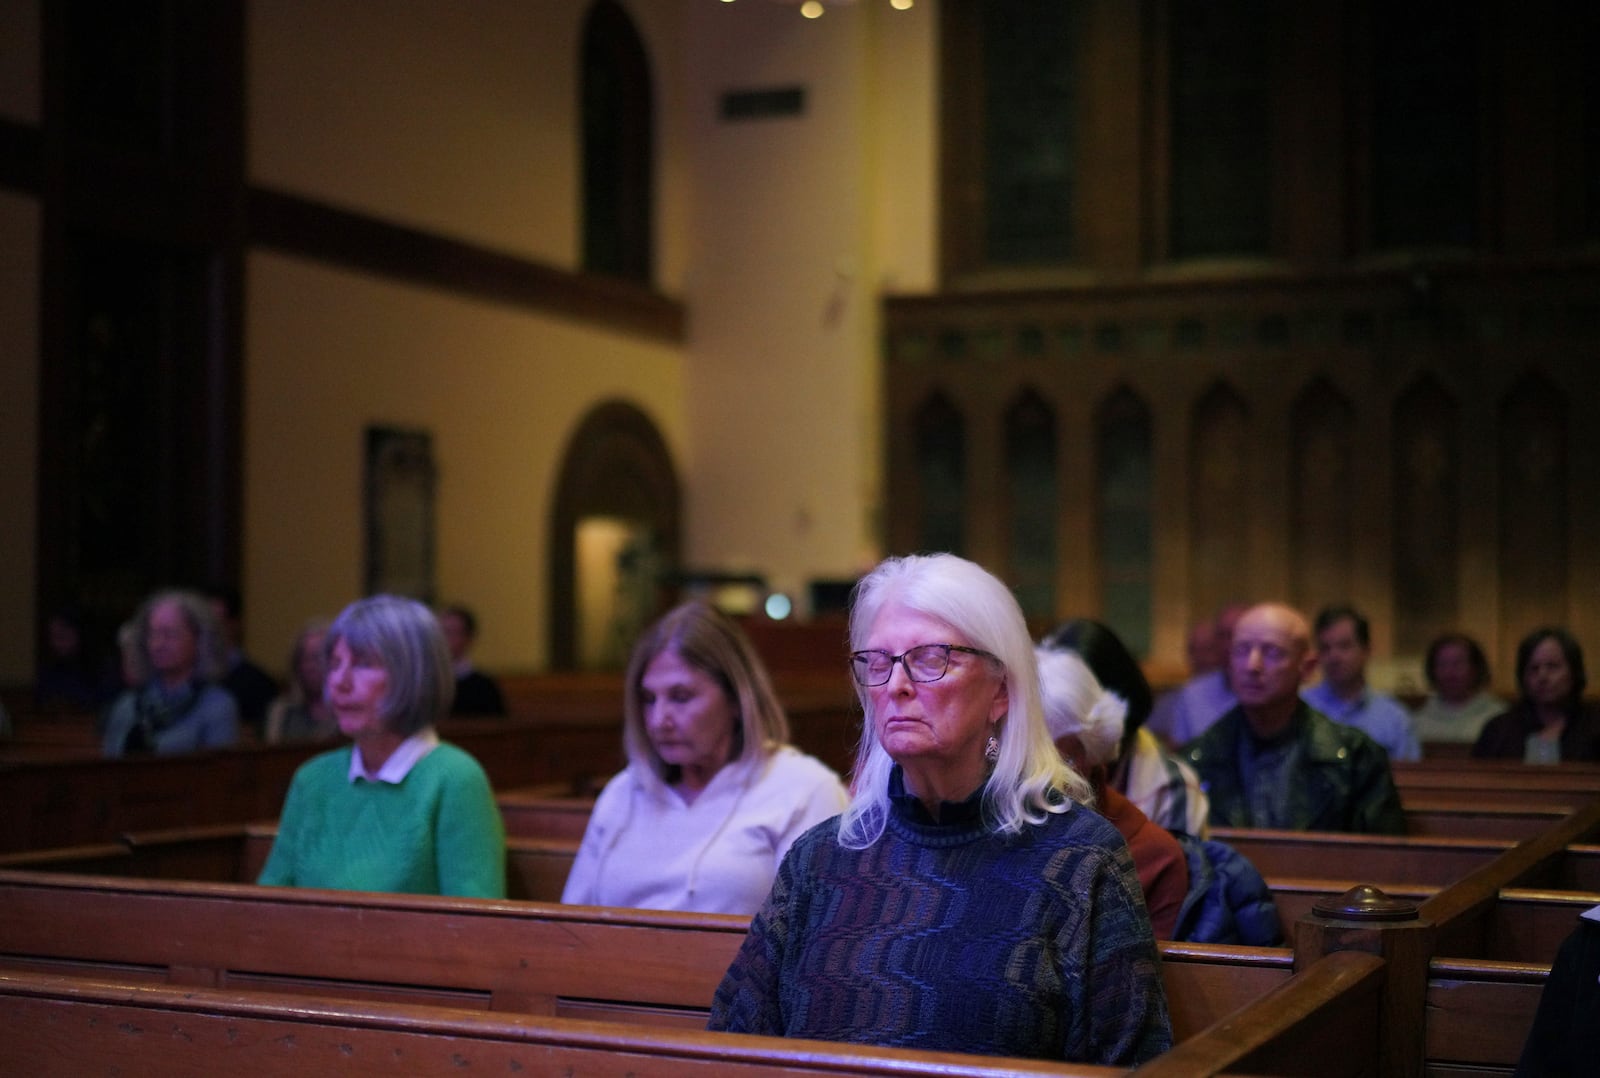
(397, 809)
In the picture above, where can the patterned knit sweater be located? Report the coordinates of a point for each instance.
(437, 832)
(945, 936)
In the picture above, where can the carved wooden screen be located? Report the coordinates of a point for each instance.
(1427, 506)
(1032, 499)
(1219, 504)
(1323, 476)
(1533, 509)
(1124, 530)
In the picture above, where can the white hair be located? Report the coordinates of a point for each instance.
(1076, 704)
(1029, 779)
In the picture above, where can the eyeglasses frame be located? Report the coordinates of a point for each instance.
(901, 659)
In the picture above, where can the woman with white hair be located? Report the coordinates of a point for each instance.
(966, 900)
(1086, 723)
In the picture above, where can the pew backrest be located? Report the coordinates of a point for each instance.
(64, 1025)
(1479, 1013)
(1376, 859)
(574, 961)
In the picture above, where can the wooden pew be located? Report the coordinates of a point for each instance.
(1479, 1006)
(1527, 923)
(529, 957)
(1523, 925)
(1498, 781)
(1463, 910)
(554, 810)
(536, 868)
(50, 736)
(55, 1025)
(1460, 817)
(1379, 859)
(568, 961)
(1479, 1013)
(48, 804)
(544, 812)
(1320, 1021)
(76, 798)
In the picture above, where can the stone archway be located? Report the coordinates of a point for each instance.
(616, 466)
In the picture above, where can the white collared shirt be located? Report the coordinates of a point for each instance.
(400, 761)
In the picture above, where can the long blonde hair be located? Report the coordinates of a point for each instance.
(712, 642)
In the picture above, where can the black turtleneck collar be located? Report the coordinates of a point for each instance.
(910, 807)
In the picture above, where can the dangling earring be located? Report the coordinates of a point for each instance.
(991, 749)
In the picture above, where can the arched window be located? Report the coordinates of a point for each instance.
(1221, 130)
(1425, 125)
(618, 146)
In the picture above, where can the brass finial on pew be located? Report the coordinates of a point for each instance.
(1364, 918)
(1365, 903)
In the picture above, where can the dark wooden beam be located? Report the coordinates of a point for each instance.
(302, 227)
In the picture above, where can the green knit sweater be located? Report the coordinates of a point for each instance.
(438, 832)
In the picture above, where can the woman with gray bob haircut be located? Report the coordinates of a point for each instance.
(966, 901)
(402, 636)
(397, 809)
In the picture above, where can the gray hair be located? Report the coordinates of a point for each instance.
(1029, 779)
(211, 651)
(403, 637)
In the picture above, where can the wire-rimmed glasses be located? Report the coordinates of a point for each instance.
(923, 663)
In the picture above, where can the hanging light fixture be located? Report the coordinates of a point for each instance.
(815, 9)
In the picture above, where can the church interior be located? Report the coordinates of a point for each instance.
(557, 308)
(562, 310)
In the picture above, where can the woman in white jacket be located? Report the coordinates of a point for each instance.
(713, 795)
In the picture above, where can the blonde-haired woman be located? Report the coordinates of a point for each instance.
(303, 713)
(713, 794)
(966, 901)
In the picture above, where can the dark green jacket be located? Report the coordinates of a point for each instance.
(1341, 782)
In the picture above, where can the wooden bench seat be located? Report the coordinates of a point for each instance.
(1478, 1015)
(1322, 1021)
(574, 961)
(1377, 859)
(555, 811)
(1456, 817)
(1526, 923)
(54, 1025)
(1498, 782)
